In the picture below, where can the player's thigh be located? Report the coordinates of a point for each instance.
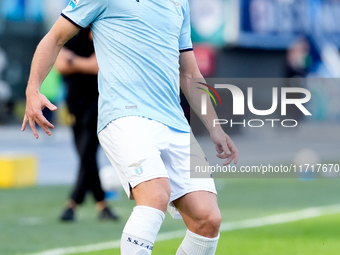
(133, 144)
(183, 153)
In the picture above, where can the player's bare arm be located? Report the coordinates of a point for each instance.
(43, 60)
(188, 70)
(70, 63)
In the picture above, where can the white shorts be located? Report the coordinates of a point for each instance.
(141, 149)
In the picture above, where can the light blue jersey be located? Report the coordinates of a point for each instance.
(137, 43)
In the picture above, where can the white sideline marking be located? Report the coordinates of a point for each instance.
(31, 221)
(307, 213)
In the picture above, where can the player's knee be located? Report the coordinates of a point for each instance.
(154, 193)
(214, 220)
(160, 199)
(209, 223)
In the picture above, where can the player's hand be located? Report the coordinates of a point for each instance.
(35, 103)
(224, 146)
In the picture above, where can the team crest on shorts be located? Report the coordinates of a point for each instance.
(138, 167)
(139, 170)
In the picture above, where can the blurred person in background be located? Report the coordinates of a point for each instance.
(6, 103)
(78, 65)
(298, 64)
(298, 58)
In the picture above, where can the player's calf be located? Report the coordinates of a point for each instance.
(194, 244)
(203, 218)
(141, 230)
(204, 234)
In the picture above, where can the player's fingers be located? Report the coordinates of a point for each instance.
(45, 128)
(219, 149)
(231, 145)
(233, 149)
(51, 106)
(24, 123)
(236, 158)
(223, 155)
(230, 159)
(225, 148)
(45, 124)
(33, 128)
(220, 152)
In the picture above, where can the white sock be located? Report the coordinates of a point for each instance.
(194, 244)
(141, 230)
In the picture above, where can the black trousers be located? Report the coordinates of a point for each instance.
(86, 142)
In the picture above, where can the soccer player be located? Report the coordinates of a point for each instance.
(144, 53)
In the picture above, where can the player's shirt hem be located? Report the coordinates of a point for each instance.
(187, 49)
(70, 20)
(185, 129)
(144, 179)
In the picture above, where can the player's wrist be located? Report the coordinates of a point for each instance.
(30, 90)
(212, 128)
(217, 130)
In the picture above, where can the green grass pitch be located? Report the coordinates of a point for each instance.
(29, 219)
(317, 236)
